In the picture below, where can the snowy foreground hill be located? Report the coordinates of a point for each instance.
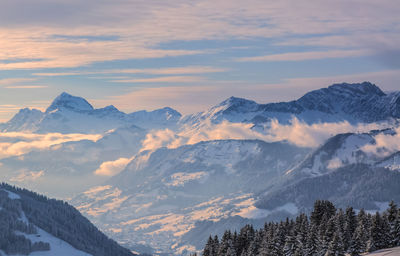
(386, 252)
(161, 182)
(31, 224)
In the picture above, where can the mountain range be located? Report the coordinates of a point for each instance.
(169, 199)
(356, 103)
(71, 114)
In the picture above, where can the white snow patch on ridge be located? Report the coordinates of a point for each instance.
(12, 195)
(253, 212)
(180, 178)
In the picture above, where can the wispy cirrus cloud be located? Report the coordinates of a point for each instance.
(11, 81)
(101, 31)
(20, 83)
(163, 79)
(26, 86)
(148, 71)
(301, 56)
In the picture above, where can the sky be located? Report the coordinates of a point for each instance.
(190, 55)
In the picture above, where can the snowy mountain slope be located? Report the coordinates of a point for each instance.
(349, 169)
(66, 169)
(25, 120)
(159, 118)
(71, 114)
(162, 194)
(358, 185)
(391, 162)
(345, 149)
(34, 225)
(386, 252)
(363, 102)
(57, 246)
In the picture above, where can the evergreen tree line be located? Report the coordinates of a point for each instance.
(12, 224)
(326, 232)
(59, 219)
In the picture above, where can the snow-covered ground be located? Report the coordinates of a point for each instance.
(57, 246)
(386, 252)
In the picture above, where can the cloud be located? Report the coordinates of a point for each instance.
(27, 176)
(160, 138)
(301, 56)
(150, 71)
(172, 70)
(11, 81)
(296, 132)
(77, 33)
(385, 144)
(17, 143)
(26, 87)
(111, 168)
(163, 79)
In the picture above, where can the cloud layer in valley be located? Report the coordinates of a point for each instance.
(296, 132)
(18, 143)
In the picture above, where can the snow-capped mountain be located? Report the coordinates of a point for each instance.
(32, 224)
(71, 114)
(356, 103)
(25, 120)
(162, 194)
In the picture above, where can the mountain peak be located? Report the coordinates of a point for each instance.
(234, 100)
(67, 101)
(359, 88)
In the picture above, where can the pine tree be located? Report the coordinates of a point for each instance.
(358, 242)
(279, 240)
(289, 248)
(312, 244)
(375, 233)
(246, 235)
(396, 231)
(267, 244)
(255, 244)
(336, 247)
(215, 246)
(225, 244)
(349, 228)
(323, 210)
(392, 217)
(327, 237)
(301, 227)
(208, 248)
